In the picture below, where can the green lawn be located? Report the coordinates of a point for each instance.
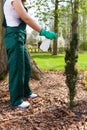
(48, 61)
(82, 61)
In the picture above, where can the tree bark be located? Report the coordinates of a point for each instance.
(55, 27)
(3, 56)
(36, 73)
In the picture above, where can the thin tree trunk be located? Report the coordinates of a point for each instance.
(55, 27)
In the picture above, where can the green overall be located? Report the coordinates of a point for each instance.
(18, 63)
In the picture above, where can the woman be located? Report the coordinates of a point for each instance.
(17, 18)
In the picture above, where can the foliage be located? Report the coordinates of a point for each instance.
(30, 47)
(84, 79)
(83, 46)
(61, 49)
(32, 38)
(70, 68)
(45, 10)
(41, 10)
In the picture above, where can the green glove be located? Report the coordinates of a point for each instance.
(48, 34)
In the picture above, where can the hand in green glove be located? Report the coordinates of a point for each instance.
(48, 34)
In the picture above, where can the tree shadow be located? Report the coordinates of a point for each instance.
(44, 56)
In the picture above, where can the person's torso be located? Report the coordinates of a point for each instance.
(11, 16)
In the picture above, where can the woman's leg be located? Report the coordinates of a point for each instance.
(16, 73)
(27, 89)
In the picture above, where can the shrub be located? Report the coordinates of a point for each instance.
(61, 49)
(83, 46)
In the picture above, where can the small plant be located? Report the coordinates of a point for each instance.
(84, 80)
(30, 47)
(71, 68)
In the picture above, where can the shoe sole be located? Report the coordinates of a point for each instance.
(15, 107)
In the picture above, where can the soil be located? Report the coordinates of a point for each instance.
(50, 110)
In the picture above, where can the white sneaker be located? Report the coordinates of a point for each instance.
(24, 104)
(33, 95)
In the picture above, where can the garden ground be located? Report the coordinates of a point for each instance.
(50, 110)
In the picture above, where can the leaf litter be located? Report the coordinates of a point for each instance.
(50, 110)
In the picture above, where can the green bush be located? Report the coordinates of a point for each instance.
(83, 46)
(61, 49)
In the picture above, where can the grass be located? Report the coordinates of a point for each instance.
(82, 61)
(47, 61)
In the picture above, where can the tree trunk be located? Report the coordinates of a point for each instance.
(75, 17)
(55, 27)
(3, 62)
(36, 73)
(1, 30)
(3, 56)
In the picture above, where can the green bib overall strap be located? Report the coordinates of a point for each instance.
(4, 20)
(18, 63)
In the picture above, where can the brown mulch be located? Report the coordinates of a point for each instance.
(50, 110)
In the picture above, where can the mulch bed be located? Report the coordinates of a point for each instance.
(50, 110)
